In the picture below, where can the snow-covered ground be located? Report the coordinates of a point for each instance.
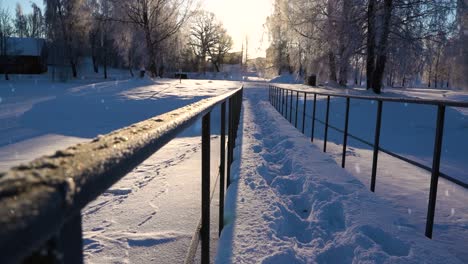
(290, 203)
(288, 193)
(151, 214)
(407, 130)
(37, 117)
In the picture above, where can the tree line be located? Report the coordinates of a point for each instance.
(376, 42)
(158, 35)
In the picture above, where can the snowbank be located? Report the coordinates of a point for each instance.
(290, 203)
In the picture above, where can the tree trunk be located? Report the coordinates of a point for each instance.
(74, 69)
(105, 68)
(370, 43)
(130, 62)
(429, 79)
(436, 73)
(151, 52)
(382, 48)
(95, 64)
(332, 66)
(216, 67)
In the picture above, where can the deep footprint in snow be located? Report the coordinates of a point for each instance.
(257, 149)
(265, 172)
(258, 136)
(288, 185)
(290, 225)
(332, 218)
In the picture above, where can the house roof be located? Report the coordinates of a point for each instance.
(25, 46)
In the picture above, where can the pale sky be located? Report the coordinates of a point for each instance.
(244, 18)
(241, 18)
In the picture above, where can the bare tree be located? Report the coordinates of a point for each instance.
(158, 19)
(35, 22)
(6, 30)
(223, 45)
(21, 24)
(68, 24)
(203, 36)
(209, 38)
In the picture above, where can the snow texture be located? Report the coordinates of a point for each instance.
(290, 203)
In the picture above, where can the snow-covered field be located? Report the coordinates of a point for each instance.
(151, 214)
(289, 203)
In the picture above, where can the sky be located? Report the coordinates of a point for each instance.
(242, 19)
(25, 4)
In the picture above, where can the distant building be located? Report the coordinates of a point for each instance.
(23, 56)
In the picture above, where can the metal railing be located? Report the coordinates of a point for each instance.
(41, 202)
(279, 98)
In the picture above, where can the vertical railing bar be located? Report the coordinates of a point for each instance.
(297, 107)
(70, 241)
(269, 95)
(376, 145)
(229, 157)
(282, 101)
(222, 166)
(435, 170)
(277, 98)
(325, 137)
(286, 108)
(290, 107)
(304, 113)
(345, 134)
(313, 118)
(205, 193)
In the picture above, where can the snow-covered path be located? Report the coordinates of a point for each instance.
(290, 203)
(407, 130)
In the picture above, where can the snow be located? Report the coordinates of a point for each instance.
(25, 46)
(152, 213)
(291, 203)
(288, 202)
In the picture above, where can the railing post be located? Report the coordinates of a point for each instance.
(64, 247)
(286, 105)
(230, 143)
(313, 118)
(304, 113)
(276, 98)
(222, 166)
(376, 145)
(205, 194)
(290, 107)
(297, 106)
(435, 170)
(269, 94)
(345, 136)
(325, 137)
(282, 103)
